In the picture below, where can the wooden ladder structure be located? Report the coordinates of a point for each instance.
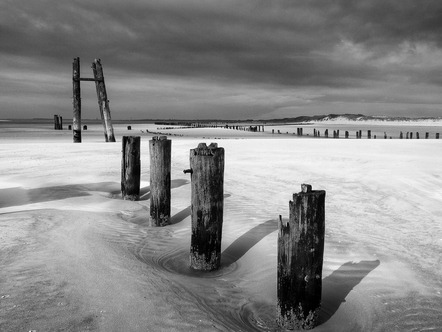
(103, 102)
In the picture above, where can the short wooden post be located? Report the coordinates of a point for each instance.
(427, 135)
(385, 135)
(401, 135)
(369, 134)
(300, 260)
(346, 134)
(84, 127)
(326, 133)
(437, 135)
(76, 117)
(357, 134)
(160, 149)
(56, 122)
(60, 122)
(130, 168)
(417, 135)
(129, 127)
(411, 135)
(408, 135)
(207, 190)
(70, 127)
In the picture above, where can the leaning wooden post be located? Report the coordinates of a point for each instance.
(160, 167)
(103, 102)
(130, 168)
(207, 190)
(76, 118)
(300, 259)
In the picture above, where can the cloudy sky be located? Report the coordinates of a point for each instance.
(222, 58)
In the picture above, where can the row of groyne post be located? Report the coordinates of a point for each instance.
(300, 238)
(358, 134)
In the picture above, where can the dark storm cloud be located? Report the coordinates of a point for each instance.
(280, 42)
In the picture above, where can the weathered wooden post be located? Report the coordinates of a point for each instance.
(369, 134)
(417, 135)
(160, 167)
(385, 135)
(76, 118)
(346, 134)
(326, 133)
(56, 122)
(207, 187)
(60, 122)
(408, 135)
(357, 134)
(130, 168)
(427, 135)
(103, 102)
(401, 135)
(437, 135)
(300, 259)
(411, 135)
(129, 127)
(84, 127)
(70, 127)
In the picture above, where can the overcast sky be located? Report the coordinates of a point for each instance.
(223, 59)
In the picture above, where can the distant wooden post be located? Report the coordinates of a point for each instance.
(103, 102)
(411, 135)
(385, 135)
(326, 133)
(70, 127)
(207, 187)
(300, 260)
(76, 118)
(129, 127)
(160, 167)
(357, 134)
(369, 134)
(417, 135)
(408, 135)
(346, 134)
(427, 135)
(60, 122)
(401, 135)
(130, 168)
(84, 127)
(437, 135)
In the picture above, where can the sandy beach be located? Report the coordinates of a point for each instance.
(76, 257)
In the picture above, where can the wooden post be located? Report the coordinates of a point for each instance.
(385, 135)
(300, 259)
(369, 134)
(160, 167)
(326, 133)
(60, 122)
(84, 127)
(56, 122)
(103, 102)
(427, 135)
(70, 127)
(129, 127)
(437, 135)
(401, 135)
(417, 135)
(357, 134)
(76, 118)
(346, 134)
(207, 187)
(411, 135)
(130, 168)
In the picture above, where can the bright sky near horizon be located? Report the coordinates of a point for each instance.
(222, 58)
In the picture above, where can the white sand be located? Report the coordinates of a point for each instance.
(75, 257)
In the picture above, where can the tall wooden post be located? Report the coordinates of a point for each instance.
(300, 259)
(130, 168)
(76, 118)
(160, 167)
(103, 102)
(207, 187)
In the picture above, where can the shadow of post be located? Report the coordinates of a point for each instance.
(246, 241)
(339, 284)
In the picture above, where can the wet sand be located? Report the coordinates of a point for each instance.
(75, 257)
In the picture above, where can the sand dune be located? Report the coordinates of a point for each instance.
(75, 257)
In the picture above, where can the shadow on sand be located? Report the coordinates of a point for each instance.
(145, 191)
(340, 283)
(246, 241)
(19, 196)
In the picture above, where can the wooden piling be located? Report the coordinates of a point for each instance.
(369, 134)
(103, 102)
(207, 190)
(76, 118)
(300, 260)
(160, 149)
(130, 168)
